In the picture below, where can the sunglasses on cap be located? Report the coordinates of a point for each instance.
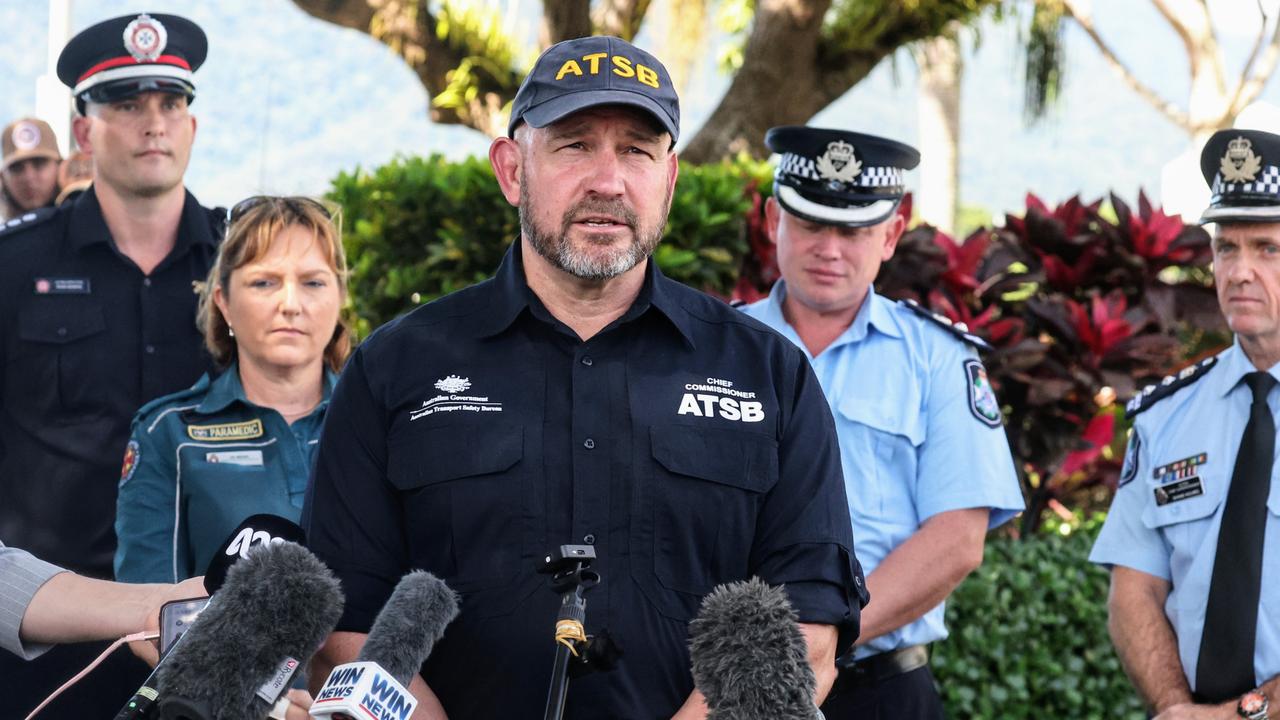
(296, 203)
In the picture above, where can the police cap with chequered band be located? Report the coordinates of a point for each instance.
(133, 54)
(1242, 168)
(837, 177)
(585, 72)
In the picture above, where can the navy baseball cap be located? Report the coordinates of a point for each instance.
(585, 72)
(132, 54)
(837, 177)
(1241, 169)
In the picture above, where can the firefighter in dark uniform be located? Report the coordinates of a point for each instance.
(97, 316)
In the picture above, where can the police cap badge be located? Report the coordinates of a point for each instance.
(1241, 167)
(837, 177)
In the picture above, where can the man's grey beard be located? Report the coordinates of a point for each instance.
(560, 252)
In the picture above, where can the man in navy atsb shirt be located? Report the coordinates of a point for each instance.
(581, 397)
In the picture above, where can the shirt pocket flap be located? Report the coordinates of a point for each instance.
(884, 415)
(736, 459)
(61, 326)
(451, 452)
(1180, 511)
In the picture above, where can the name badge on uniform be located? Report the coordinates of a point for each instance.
(62, 286)
(1179, 490)
(251, 458)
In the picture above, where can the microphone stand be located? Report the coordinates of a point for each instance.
(570, 577)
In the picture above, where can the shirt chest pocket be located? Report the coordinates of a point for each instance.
(62, 351)
(704, 498)
(879, 442)
(463, 491)
(1185, 525)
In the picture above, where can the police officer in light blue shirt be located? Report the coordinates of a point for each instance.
(1193, 535)
(926, 463)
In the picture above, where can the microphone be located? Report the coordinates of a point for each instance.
(254, 531)
(749, 657)
(273, 612)
(401, 638)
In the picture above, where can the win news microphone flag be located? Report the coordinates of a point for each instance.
(749, 657)
(274, 611)
(401, 638)
(256, 530)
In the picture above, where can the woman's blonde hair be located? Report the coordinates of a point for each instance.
(254, 224)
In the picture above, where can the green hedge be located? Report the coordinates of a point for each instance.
(418, 228)
(1029, 636)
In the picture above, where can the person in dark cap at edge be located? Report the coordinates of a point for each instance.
(927, 467)
(29, 175)
(580, 397)
(97, 317)
(1192, 537)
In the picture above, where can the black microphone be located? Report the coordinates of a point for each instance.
(749, 658)
(274, 611)
(409, 625)
(255, 531)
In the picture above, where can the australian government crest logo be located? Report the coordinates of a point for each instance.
(838, 164)
(453, 400)
(1240, 164)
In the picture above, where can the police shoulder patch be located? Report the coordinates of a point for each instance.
(982, 398)
(960, 330)
(1167, 386)
(26, 220)
(1130, 469)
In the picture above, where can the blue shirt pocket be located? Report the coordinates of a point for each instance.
(879, 444)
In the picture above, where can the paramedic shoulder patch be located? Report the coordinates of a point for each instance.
(226, 431)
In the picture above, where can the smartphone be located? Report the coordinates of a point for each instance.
(175, 617)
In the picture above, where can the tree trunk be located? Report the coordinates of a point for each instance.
(565, 20)
(938, 111)
(778, 83)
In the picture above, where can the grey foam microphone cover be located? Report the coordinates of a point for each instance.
(279, 602)
(410, 624)
(749, 658)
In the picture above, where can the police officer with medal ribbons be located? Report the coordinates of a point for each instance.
(97, 314)
(581, 397)
(927, 468)
(1193, 534)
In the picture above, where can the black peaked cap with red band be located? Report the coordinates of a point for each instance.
(132, 54)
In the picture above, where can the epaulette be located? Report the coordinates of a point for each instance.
(960, 330)
(27, 220)
(218, 222)
(1167, 386)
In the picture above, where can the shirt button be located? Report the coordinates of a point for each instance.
(151, 349)
(146, 282)
(62, 332)
(589, 539)
(588, 443)
(587, 361)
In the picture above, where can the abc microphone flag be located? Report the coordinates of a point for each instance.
(410, 624)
